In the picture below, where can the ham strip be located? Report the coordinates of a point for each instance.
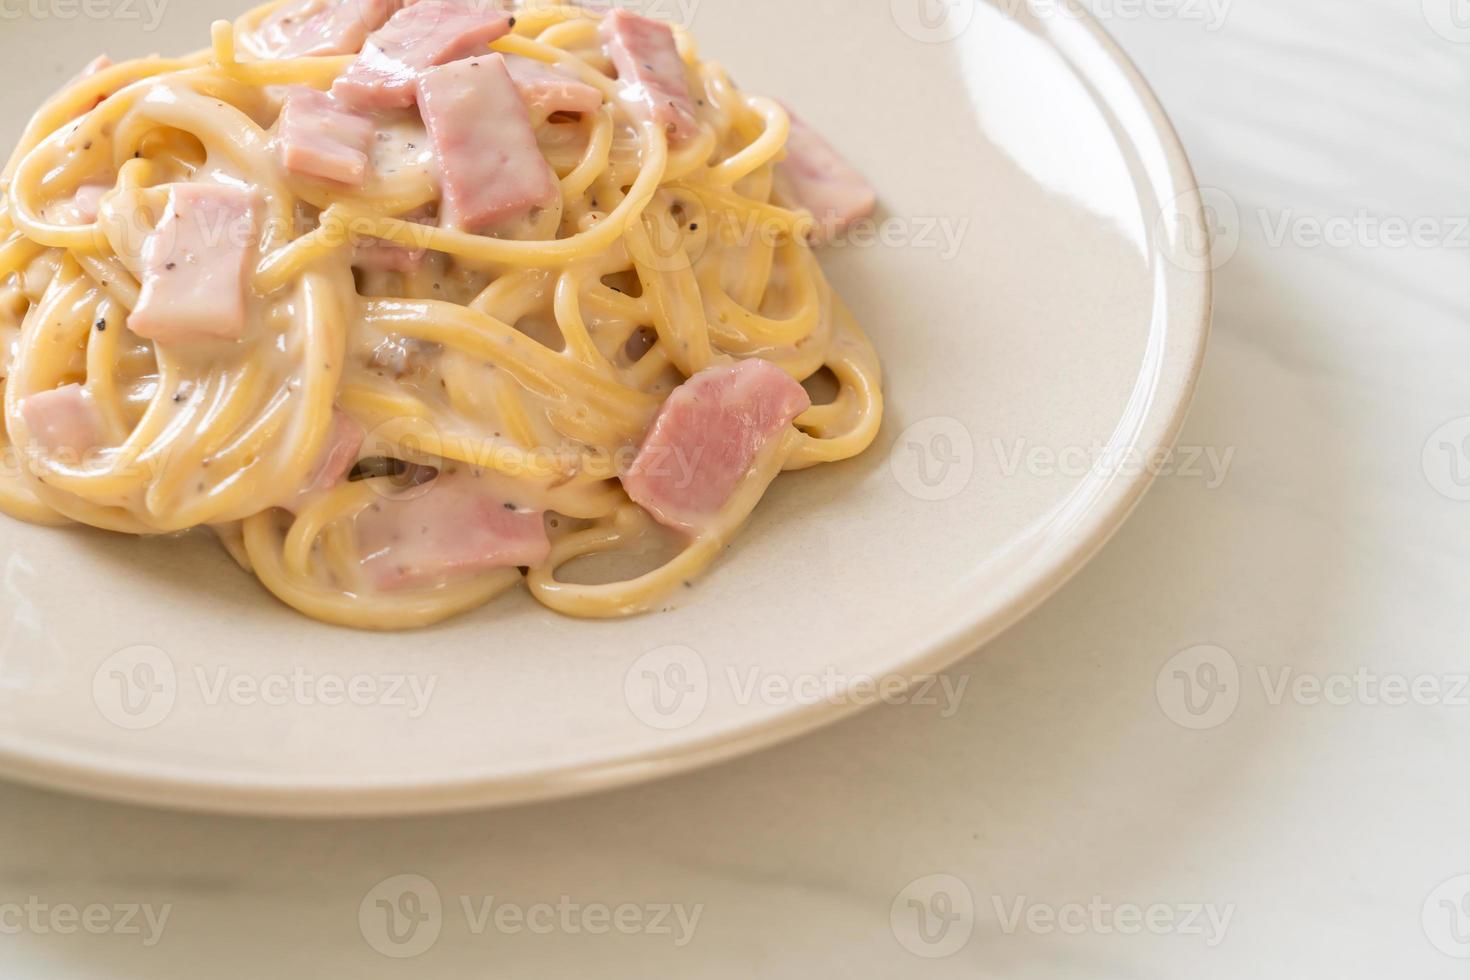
(451, 528)
(339, 456)
(545, 89)
(653, 75)
(316, 28)
(194, 266)
(706, 438)
(488, 159)
(428, 34)
(813, 176)
(81, 208)
(64, 419)
(319, 138)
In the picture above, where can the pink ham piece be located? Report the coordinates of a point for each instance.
(816, 178)
(339, 456)
(450, 528)
(652, 73)
(707, 437)
(377, 255)
(81, 208)
(194, 266)
(488, 159)
(64, 419)
(545, 89)
(430, 33)
(320, 138)
(316, 28)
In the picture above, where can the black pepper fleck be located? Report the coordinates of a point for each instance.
(101, 324)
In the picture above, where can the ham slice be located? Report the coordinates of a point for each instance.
(488, 159)
(194, 265)
(545, 89)
(451, 528)
(425, 35)
(344, 442)
(654, 79)
(813, 176)
(707, 437)
(82, 207)
(320, 138)
(315, 28)
(64, 419)
(378, 255)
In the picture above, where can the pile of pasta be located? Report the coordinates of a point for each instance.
(386, 350)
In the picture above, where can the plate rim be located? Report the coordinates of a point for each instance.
(1159, 428)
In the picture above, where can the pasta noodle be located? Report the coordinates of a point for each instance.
(533, 359)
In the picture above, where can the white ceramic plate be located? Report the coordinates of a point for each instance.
(1040, 303)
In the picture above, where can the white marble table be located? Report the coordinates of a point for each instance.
(1090, 811)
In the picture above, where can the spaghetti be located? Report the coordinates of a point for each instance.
(525, 362)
